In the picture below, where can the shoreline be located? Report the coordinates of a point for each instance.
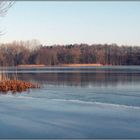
(81, 65)
(61, 65)
(32, 65)
(65, 65)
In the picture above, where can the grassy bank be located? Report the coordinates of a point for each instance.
(80, 65)
(62, 65)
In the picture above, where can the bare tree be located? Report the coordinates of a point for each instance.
(4, 6)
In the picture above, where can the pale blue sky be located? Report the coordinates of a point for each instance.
(73, 22)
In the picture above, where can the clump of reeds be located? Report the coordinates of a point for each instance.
(16, 85)
(13, 84)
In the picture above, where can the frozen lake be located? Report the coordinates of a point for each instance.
(94, 102)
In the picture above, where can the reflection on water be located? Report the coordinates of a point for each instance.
(82, 79)
(80, 76)
(100, 86)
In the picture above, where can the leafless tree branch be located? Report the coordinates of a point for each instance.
(4, 6)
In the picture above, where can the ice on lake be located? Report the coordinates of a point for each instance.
(74, 105)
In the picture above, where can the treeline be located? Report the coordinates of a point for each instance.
(17, 53)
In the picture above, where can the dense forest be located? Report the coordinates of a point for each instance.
(17, 53)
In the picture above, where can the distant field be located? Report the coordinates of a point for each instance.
(80, 65)
(41, 65)
(62, 65)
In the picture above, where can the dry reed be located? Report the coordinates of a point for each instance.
(16, 85)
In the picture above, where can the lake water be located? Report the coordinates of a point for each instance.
(87, 102)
